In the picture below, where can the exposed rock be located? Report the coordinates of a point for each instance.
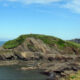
(28, 68)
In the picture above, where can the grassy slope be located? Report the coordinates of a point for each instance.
(49, 40)
(73, 76)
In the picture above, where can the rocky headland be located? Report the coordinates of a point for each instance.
(56, 57)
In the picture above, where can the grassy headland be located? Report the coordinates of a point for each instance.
(49, 40)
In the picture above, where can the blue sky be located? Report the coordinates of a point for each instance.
(60, 18)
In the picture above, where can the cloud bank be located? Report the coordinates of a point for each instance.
(73, 5)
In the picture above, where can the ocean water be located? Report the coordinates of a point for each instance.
(1, 43)
(14, 73)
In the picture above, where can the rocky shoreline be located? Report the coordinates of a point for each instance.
(53, 71)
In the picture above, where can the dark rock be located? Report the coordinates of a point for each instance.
(50, 58)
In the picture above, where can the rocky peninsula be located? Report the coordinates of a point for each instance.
(56, 57)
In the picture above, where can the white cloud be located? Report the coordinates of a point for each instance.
(73, 5)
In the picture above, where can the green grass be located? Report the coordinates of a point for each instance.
(73, 76)
(14, 43)
(73, 44)
(49, 40)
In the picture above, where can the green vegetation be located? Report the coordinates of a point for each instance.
(73, 44)
(49, 40)
(14, 43)
(73, 76)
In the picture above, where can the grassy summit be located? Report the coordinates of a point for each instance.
(49, 40)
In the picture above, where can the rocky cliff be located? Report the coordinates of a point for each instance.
(51, 54)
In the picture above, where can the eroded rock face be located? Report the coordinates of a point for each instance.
(61, 69)
(33, 48)
(7, 55)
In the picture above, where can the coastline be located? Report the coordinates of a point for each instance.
(57, 71)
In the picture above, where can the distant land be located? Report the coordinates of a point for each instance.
(76, 40)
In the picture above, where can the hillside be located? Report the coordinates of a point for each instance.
(44, 52)
(49, 40)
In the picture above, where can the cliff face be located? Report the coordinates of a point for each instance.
(51, 54)
(32, 49)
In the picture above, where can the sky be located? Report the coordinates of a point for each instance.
(60, 18)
